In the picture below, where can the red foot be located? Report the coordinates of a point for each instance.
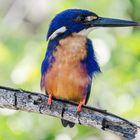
(79, 108)
(50, 99)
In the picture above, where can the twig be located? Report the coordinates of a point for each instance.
(35, 102)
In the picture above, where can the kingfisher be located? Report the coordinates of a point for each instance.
(70, 64)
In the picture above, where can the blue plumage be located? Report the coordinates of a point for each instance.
(67, 18)
(48, 56)
(90, 60)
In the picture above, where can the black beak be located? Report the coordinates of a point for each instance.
(110, 22)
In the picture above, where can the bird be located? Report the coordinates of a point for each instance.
(70, 64)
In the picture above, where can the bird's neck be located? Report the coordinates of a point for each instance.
(56, 40)
(71, 49)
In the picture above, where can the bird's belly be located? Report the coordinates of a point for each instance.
(67, 81)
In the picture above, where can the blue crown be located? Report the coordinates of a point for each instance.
(70, 19)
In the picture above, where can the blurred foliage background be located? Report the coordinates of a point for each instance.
(23, 28)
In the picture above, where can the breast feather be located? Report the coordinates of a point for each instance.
(68, 77)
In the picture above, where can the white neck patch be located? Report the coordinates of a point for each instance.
(58, 31)
(85, 32)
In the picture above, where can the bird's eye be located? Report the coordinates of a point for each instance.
(80, 19)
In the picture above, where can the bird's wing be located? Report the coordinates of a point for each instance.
(90, 61)
(91, 65)
(48, 60)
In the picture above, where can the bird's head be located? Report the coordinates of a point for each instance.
(81, 22)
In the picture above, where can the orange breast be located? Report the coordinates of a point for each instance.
(68, 78)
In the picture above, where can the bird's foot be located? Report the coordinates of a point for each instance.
(79, 108)
(50, 100)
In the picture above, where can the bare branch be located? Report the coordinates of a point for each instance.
(36, 102)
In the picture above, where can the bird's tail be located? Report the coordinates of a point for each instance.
(67, 123)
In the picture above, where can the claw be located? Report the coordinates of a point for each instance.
(79, 108)
(50, 100)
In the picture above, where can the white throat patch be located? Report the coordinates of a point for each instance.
(85, 32)
(58, 31)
